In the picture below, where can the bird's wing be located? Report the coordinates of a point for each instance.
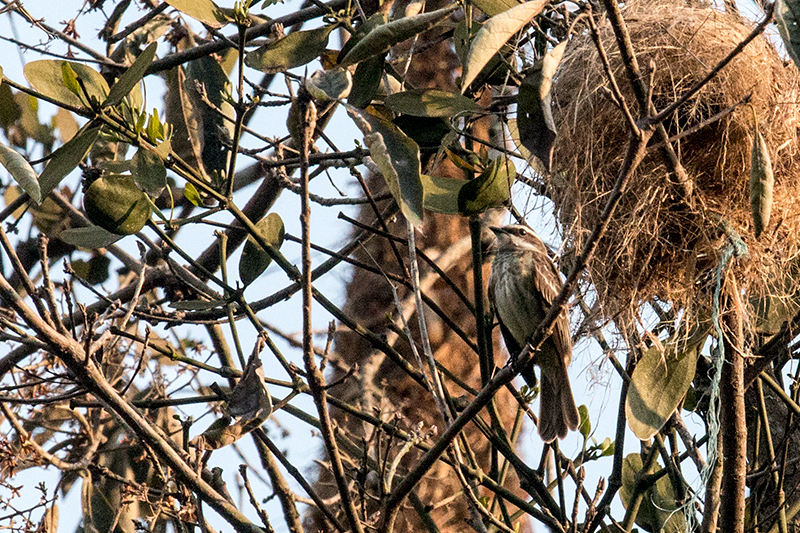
(547, 282)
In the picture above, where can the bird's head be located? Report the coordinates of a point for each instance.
(518, 238)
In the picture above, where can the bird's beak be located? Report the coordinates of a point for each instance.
(497, 230)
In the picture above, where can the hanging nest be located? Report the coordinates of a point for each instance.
(656, 246)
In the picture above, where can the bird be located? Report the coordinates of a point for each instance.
(522, 286)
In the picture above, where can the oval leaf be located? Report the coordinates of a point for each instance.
(293, 50)
(116, 204)
(255, 259)
(91, 237)
(761, 184)
(397, 156)
(494, 34)
(366, 81)
(491, 188)
(657, 509)
(149, 171)
(66, 158)
(537, 129)
(441, 193)
(431, 103)
(658, 384)
(47, 77)
(205, 11)
(21, 171)
(383, 37)
(132, 76)
(495, 7)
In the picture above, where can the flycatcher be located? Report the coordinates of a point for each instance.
(523, 284)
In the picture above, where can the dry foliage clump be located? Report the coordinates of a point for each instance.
(656, 246)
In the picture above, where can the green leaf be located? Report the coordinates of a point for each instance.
(116, 204)
(326, 85)
(205, 11)
(770, 312)
(185, 112)
(383, 37)
(71, 80)
(431, 103)
(10, 110)
(192, 195)
(66, 158)
(21, 171)
(149, 171)
(585, 426)
(293, 50)
(47, 77)
(91, 237)
(787, 18)
(494, 34)
(495, 7)
(210, 74)
(656, 512)
(491, 188)
(537, 129)
(441, 193)
(363, 29)
(128, 80)
(397, 156)
(366, 81)
(659, 383)
(761, 184)
(255, 259)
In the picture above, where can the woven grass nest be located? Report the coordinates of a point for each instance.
(656, 246)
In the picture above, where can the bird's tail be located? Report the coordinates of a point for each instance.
(557, 411)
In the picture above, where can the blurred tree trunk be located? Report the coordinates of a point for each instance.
(383, 389)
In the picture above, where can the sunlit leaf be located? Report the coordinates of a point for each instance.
(21, 171)
(431, 103)
(66, 158)
(495, 7)
(494, 34)
(66, 124)
(293, 50)
(383, 37)
(585, 426)
(47, 77)
(397, 156)
(255, 259)
(128, 80)
(205, 11)
(491, 188)
(761, 184)
(116, 204)
(192, 195)
(441, 193)
(659, 383)
(537, 129)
